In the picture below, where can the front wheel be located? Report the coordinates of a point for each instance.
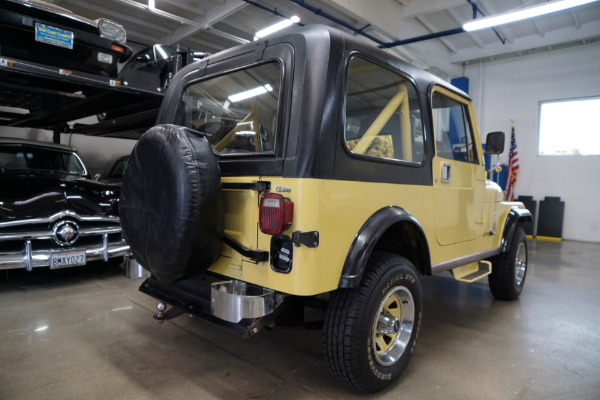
(509, 269)
(370, 331)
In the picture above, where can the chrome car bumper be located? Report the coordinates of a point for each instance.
(39, 238)
(29, 258)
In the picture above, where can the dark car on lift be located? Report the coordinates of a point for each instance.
(52, 214)
(40, 32)
(153, 67)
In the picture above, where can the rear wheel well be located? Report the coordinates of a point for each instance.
(405, 239)
(390, 230)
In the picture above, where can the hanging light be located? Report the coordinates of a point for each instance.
(276, 27)
(524, 13)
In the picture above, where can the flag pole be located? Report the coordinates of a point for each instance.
(513, 164)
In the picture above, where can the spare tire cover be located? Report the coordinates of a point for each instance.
(171, 205)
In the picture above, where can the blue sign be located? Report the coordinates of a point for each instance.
(54, 36)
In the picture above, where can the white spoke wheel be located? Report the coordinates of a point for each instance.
(370, 331)
(520, 264)
(509, 269)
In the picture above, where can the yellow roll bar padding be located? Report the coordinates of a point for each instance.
(405, 126)
(250, 119)
(255, 125)
(399, 101)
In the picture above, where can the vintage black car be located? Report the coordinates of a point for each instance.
(37, 31)
(51, 212)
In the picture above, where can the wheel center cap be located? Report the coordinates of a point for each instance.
(396, 326)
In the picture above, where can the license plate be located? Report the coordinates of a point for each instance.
(65, 259)
(54, 36)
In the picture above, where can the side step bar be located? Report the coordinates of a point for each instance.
(473, 271)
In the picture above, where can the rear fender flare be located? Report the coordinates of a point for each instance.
(369, 236)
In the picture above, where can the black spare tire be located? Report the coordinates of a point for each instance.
(171, 205)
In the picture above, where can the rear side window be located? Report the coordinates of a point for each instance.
(383, 118)
(237, 111)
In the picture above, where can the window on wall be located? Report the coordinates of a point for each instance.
(383, 119)
(452, 129)
(570, 127)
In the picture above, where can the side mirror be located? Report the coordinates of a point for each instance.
(494, 143)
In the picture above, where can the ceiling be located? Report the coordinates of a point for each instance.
(214, 25)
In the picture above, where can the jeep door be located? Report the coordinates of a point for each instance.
(458, 174)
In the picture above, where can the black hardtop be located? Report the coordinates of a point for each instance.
(311, 123)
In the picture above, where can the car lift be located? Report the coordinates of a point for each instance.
(54, 96)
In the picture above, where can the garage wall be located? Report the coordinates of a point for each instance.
(513, 89)
(98, 153)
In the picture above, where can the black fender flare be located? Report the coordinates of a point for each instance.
(369, 235)
(515, 215)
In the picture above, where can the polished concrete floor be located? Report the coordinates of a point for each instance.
(87, 333)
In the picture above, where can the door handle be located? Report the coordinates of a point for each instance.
(446, 172)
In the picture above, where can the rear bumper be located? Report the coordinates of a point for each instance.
(29, 258)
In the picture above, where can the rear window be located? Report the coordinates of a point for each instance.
(237, 112)
(18, 157)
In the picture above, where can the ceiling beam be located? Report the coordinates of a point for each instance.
(212, 16)
(385, 19)
(502, 32)
(414, 8)
(532, 42)
(576, 19)
(472, 36)
(432, 29)
(534, 22)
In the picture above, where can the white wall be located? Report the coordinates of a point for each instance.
(513, 89)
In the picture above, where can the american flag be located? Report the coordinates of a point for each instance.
(513, 167)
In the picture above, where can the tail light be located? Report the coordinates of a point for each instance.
(275, 213)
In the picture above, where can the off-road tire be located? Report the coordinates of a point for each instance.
(171, 205)
(509, 269)
(388, 299)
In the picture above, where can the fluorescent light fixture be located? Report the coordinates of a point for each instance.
(162, 52)
(524, 13)
(250, 93)
(276, 27)
(151, 5)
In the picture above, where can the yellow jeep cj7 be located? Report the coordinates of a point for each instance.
(313, 170)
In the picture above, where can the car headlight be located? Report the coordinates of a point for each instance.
(111, 30)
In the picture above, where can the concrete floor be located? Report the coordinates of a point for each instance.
(87, 333)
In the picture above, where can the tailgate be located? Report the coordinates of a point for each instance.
(241, 215)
